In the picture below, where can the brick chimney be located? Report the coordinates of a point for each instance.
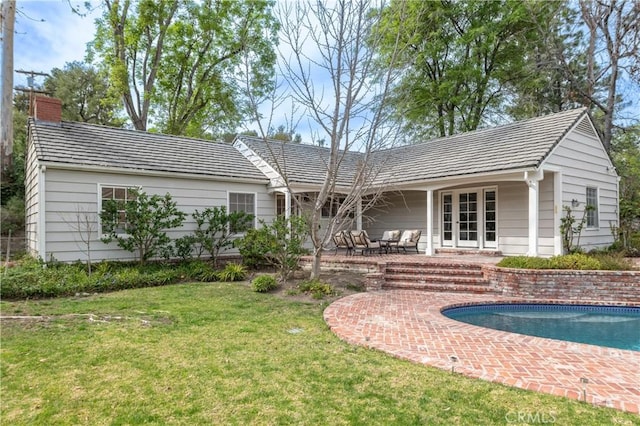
(47, 109)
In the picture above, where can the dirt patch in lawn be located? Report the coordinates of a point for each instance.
(343, 284)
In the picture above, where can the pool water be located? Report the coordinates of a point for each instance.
(611, 326)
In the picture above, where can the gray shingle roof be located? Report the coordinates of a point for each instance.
(303, 163)
(94, 145)
(518, 145)
(522, 144)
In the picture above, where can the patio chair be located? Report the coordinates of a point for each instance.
(390, 240)
(362, 242)
(409, 239)
(342, 241)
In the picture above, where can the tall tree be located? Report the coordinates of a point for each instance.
(625, 153)
(177, 61)
(334, 43)
(541, 88)
(613, 50)
(85, 95)
(459, 59)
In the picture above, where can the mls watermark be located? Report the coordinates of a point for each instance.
(531, 417)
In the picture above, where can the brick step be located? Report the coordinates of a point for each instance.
(468, 252)
(440, 287)
(420, 279)
(393, 270)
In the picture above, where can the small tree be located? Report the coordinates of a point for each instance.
(216, 229)
(279, 244)
(140, 224)
(570, 227)
(86, 225)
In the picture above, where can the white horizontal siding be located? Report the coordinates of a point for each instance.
(402, 211)
(70, 193)
(31, 200)
(584, 163)
(513, 213)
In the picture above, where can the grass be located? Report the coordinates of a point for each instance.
(222, 354)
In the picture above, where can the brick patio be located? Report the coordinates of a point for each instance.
(408, 324)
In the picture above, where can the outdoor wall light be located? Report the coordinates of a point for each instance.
(453, 360)
(575, 203)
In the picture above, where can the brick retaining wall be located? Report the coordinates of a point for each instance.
(621, 286)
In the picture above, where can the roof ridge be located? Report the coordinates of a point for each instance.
(493, 128)
(137, 131)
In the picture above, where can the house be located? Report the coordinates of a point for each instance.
(500, 189)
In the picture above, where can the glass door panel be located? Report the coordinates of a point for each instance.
(468, 219)
(447, 219)
(490, 219)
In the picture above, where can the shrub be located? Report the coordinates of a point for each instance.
(33, 279)
(264, 283)
(576, 261)
(184, 247)
(613, 262)
(279, 244)
(12, 215)
(216, 229)
(199, 271)
(233, 272)
(316, 288)
(524, 262)
(147, 219)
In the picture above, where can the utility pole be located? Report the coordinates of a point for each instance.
(31, 76)
(6, 107)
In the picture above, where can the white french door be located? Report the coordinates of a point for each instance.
(469, 218)
(467, 223)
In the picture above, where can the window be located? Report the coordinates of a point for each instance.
(592, 207)
(118, 195)
(330, 208)
(281, 205)
(490, 216)
(243, 202)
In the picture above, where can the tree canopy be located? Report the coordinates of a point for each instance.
(176, 63)
(85, 95)
(473, 63)
(458, 60)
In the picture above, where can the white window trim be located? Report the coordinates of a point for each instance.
(255, 205)
(99, 194)
(595, 227)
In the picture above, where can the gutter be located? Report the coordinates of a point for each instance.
(154, 173)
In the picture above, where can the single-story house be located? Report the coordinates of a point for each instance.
(500, 189)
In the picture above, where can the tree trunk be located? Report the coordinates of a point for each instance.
(315, 266)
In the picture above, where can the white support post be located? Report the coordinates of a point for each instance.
(533, 181)
(359, 213)
(429, 249)
(287, 204)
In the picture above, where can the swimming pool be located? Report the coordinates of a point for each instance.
(611, 326)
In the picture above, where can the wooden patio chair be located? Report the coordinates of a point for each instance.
(409, 239)
(342, 241)
(362, 242)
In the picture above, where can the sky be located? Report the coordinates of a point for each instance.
(48, 35)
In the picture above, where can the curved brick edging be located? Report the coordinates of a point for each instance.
(408, 324)
(616, 286)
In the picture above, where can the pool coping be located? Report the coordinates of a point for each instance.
(409, 324)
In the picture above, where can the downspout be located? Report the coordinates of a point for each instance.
(557, 213)
(42, 213)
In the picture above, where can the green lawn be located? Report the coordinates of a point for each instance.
(221, 354)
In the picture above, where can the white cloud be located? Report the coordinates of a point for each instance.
(48, 35)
